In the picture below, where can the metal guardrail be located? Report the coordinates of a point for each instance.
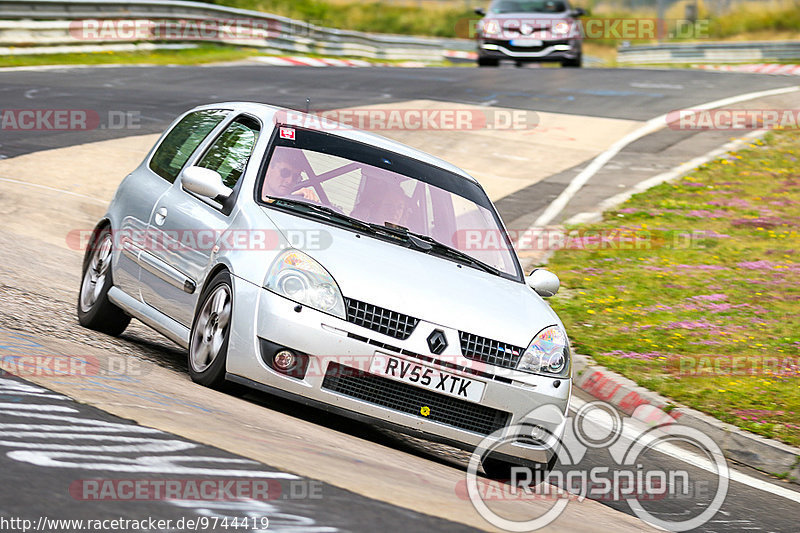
(720, 52)
(30, 23)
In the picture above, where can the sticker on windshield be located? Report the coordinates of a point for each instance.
(287, 133)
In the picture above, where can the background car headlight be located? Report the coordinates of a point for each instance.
(547, 354)
(298, 277)
(560, 28)
(491, 27)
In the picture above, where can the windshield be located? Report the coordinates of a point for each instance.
(387, 198)
(527, 6)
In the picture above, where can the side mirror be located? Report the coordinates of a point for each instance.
(204, 182)
(480, 11)
(578, 12)
(544, 282)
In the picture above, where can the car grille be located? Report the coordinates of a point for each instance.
(382, 320)
(408, 399)
(508, 46)
(489, 351)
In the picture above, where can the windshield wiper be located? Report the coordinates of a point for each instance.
(421, 242)
(329, 212)
(427, 243)
(332, 215)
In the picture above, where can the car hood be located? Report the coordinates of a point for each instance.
(543, 17)
(424, 286)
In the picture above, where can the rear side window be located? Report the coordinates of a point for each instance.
(182, 140)
(231, 151)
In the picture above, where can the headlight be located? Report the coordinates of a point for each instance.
(298, 277)
(491, 27)
(560, 28)
(547, 354)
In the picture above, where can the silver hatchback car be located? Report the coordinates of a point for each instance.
(530, 31)
(337, 268)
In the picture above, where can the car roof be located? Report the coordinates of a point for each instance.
(267, 112)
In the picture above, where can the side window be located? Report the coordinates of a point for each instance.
(229, 154)
(182, 140)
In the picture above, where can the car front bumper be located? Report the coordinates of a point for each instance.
(329, 341)
(549, 50)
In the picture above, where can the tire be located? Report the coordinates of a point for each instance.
(488, 61)
(208, 341)
(573, 63)
(95, 310)
(500, 470)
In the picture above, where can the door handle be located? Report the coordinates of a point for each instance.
(161, 216)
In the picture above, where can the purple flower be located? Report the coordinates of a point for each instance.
(687, 324)
(705, 213)
(761, 222)
(709, 297)
(633, 355)
(756, 265)
(782, 203)
(732, 202)
(701, 267)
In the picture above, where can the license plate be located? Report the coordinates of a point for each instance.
(427, 377)
(526, 42)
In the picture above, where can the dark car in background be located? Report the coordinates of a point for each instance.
(529, 31)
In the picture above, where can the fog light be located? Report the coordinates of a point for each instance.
(538, 433)
(284, 360)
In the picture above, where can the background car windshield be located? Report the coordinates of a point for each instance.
(527, 6)
(379, 196)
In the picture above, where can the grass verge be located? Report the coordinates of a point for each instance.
(695, 291)
(187, 56)
(439, 19)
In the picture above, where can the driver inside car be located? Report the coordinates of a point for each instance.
(382, 201)
(283, 180)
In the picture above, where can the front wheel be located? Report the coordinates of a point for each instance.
(95, 310)
(208, 344)
(488, 61)
(575, 63)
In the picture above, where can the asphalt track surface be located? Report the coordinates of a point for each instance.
(160, 93)
(269, 501)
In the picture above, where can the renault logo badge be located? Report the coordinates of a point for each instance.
(437, 342)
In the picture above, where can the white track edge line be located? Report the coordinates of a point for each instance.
(701, 462)
(651, 126)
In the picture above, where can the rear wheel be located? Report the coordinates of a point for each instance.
(572, 62)
(208, 344)
(95, 311)
(488, 61)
